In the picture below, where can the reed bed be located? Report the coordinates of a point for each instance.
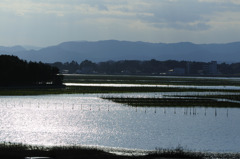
(173, 102)
(234, 97)
(180, 152)
(20, 151)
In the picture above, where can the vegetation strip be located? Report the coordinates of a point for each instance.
(154, 80)
(97, 89)
(16, 151)
(235, 97)
(172, 102)
(45, 89)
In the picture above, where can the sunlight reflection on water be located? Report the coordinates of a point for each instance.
(90, 120)
(158, 85)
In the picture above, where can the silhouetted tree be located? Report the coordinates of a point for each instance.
(19, 72)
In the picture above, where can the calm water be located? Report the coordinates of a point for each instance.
(152, 85)
(92, 121)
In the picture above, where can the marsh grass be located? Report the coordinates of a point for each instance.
(16, 151)
(178, 152)
(99, 89)
(183, 153)
(172, 102)
(20, 151)
(234, 97)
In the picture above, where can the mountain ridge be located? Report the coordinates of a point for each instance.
(106, 50)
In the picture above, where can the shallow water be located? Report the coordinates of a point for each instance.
(91, 121)
(153, 85)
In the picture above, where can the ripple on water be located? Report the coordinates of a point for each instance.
(90, 120)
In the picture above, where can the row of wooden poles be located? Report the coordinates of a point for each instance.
(86, 106)
(187, 111)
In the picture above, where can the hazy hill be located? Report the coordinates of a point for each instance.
(125, 50)
(13, 49)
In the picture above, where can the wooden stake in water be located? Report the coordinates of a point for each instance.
(185, 111)
(194, 111)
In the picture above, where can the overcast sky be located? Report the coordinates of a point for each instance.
(50, 22)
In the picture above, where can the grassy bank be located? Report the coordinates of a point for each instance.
(19, 151)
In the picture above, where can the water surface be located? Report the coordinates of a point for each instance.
(92, 121)
(154, 85)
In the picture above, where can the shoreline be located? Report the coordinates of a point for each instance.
(14, 151)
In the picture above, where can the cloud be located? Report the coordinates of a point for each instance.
(221, 1)
(197, 26)
(189, 15)
(110, 19)
(176, 14)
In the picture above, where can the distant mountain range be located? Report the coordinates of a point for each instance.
(125, 50)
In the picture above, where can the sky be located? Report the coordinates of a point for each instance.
(50, 22)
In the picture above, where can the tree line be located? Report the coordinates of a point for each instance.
(150, 67)
(16, 72)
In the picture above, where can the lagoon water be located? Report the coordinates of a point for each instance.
(88, 120)
(155, 85)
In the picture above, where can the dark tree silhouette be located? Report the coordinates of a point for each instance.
(150, 67)
(16, 72)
